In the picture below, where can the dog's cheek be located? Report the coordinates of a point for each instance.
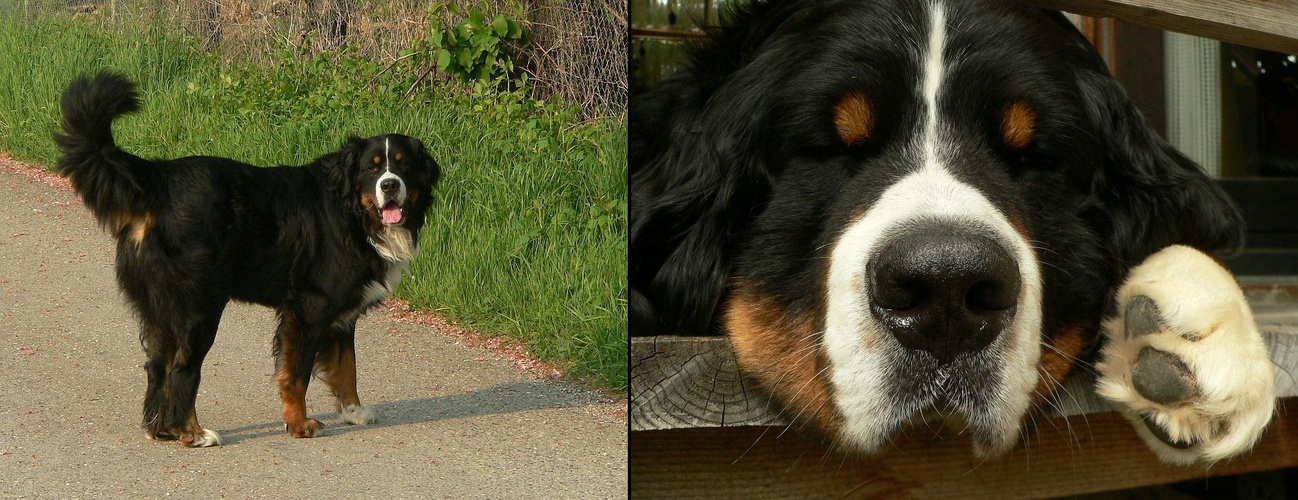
(780, 351)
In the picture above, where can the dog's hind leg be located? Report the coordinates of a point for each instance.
(296, 343)
(186, 374)
(336, 365)
(160, 347)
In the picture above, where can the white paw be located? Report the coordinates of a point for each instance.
(1184, 361)
(359, 415)
(208, 438)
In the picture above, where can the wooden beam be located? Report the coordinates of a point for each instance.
(667, 34)
(1063, 456)
(1267, 24)
(691, 382)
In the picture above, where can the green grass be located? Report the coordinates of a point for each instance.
(527, 237)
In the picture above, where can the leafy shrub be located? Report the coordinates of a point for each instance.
(477, 48)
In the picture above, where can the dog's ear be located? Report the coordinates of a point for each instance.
(696, 178)
(1147, 193)
(342, 167)
(434, 170)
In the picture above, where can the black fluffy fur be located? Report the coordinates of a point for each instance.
(737, 175)
(193, 233)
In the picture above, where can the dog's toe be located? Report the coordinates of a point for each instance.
(206, 438)
(1166, 438)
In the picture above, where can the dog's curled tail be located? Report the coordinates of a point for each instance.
(114, 184)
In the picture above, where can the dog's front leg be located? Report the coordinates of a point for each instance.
(1184, 361)
(295, 352)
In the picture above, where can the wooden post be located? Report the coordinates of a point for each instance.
(1267, 24)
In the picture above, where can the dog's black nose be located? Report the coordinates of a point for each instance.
(390, 186)
(943, 290)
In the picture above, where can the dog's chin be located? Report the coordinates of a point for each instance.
(960, 401)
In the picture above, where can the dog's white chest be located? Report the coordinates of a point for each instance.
(378, 289)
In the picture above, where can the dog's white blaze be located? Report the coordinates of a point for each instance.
(861, 352)
(932, 83)
(387, 174)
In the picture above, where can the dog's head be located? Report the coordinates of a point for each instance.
(388, 179)
(901, 209)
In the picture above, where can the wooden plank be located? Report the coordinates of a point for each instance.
(668, 34)
(1064, 456)
(688, 382)
(1267, 24)
(691, 382)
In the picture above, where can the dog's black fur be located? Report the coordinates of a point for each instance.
(193, 233)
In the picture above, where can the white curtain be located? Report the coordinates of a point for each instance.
(1192, 72)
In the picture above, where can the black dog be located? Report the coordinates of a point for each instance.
(905, 208)
(320, 243)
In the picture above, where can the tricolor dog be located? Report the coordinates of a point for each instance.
(319, 243)
(902, 209)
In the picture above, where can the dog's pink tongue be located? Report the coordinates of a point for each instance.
(391, 214)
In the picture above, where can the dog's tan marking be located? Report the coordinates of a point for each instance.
(1056, 364)
(133, 226)
(781, 351)
(397, 157)
(1018, 123)
(336, 365)
(854, 118)
(378, 159)
(292, 390)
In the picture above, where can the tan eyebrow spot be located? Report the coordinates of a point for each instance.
(1017, 124)
(854, 118)
(378, 159)
(397, 157)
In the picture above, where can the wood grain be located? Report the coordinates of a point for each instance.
(1064, 456)
(682, 382)
(1267, 24)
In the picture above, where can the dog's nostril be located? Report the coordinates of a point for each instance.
(389, 185)
(901, 295)
(989, 296)
(943, 289)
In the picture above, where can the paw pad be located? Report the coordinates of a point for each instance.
(1163, 378)
(1143, 317)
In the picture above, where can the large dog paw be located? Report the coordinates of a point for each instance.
(1184, 361)
(202, 439)
(308, 428)
(359, 415)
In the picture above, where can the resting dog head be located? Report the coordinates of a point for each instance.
(900, 207)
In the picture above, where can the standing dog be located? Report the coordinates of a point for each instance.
(320, 243)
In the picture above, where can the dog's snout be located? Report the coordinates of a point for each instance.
(943, 290)
(390, 186)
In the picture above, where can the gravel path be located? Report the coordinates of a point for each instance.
(456, 421)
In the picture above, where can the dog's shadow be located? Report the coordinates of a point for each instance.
(505, 398)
